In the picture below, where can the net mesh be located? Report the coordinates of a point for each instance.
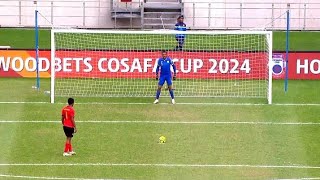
(114, 64)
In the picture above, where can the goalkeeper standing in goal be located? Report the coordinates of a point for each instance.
(164, 66)
(180, 26)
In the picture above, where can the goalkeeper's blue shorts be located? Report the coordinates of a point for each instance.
(166, 78)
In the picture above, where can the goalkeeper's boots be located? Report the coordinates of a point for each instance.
(173, 101)
(156, 101)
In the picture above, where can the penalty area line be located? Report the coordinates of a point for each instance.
(177, 122)
(36, 177)
(172, 165)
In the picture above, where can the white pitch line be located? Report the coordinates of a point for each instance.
(293, 104)
(206, 104)
(172, 165)
(3, 102)
(301, 178)
(57, 178)
(175, 122)
(201, 104)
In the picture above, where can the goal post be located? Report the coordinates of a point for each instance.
(270, 65)
(114, 63)
(52, 65)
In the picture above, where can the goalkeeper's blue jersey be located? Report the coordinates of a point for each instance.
(165, 66)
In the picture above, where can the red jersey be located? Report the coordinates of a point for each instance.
(68, 114)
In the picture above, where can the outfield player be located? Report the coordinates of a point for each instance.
(164, 66)
(180, 26)
(69, 126)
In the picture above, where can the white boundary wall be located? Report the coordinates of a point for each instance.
(224, 14)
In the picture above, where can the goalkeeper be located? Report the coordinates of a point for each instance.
(180, 26)
(164, 65)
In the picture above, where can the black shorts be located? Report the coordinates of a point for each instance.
(68, 131)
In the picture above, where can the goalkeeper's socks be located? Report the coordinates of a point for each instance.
(171, 94)
(158, 94)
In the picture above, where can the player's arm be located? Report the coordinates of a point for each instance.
(157, 70)
(74, 124)
(174, 70)
(62, 117)
(73, 121)
(176, 27)
(185, 27)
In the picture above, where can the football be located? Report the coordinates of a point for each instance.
(162, 139)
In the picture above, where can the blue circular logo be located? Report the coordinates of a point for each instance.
(277, 69)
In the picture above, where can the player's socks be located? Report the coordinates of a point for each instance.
(66, 148)
(70, 148)
(173, 101)
(171, 94)
(158, 94)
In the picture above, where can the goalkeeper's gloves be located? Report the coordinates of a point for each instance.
(174, 77)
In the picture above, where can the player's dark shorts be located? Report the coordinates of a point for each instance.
(165, 78)
(68, 131)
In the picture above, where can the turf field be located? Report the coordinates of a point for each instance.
(24, 39)
(118, 137)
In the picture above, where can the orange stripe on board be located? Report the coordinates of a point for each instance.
(23, 62)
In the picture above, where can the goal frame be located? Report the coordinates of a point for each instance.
(269, 37)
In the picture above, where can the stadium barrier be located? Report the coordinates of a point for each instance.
(22, 63)
(206, 14)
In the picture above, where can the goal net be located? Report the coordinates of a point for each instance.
(105, 63)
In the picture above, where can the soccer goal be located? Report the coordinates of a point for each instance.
(111, 63)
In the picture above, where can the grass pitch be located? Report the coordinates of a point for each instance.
(118, 137)
(118, 140)
(24, 39)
